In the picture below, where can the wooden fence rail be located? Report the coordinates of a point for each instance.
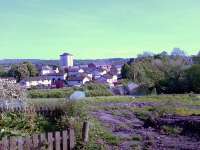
(28, 109)
(60, 140)
(45, 111)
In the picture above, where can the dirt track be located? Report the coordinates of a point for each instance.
(136, 134)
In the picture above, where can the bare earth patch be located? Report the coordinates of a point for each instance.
(134, 134)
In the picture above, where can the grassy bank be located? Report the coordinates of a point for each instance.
(91, 90)
(100, 137)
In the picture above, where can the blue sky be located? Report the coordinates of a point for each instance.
(97, 29)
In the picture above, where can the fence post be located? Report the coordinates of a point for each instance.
(65, 140)
(85, 131)
(71, 138)
(5, 143)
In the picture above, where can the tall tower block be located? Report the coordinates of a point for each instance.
(66, 60)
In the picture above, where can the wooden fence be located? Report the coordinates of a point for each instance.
(61, 140)
(45, 111)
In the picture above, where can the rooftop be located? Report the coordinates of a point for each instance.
(66, 54)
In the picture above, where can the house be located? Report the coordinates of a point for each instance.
(89, 74)
(107, 79)
(96, 74)
(57, 76)
(9, 79)
(49, 70)
(36, 81)
(78, 80)
(83, 66)
(74, 71)
(119, 68)
(113, 70)
(102, 71)
(58, 84)
(100, 64)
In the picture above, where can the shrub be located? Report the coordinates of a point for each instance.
(95, 93)
(52, 93)
(171, 130)
(9, 91)
(94, 90)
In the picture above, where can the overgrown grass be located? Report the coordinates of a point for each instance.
(94, 90)
(50, 93)
(91, 90)
(99, 136)
(171, 130)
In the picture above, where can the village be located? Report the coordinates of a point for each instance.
(68, 75)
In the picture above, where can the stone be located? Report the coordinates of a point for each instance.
(77, 95)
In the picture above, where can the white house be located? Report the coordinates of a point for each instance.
(66, 60)
(89, 74)
(107, 79)
(36, 81)
(97, 73)
(100, 64)
(58, 76)
(74, 71)
(48, 70)
(119, 68)
(78, 81)
(102, 71)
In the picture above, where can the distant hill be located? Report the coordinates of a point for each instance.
(8, 62)
(34, 61)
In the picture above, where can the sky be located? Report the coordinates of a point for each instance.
(97, 28)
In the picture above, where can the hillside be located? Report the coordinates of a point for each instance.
(56, 62)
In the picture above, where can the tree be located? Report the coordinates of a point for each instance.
(178, 52)
(19, 72)
(23, 70)
(146, 54)
(31, 68)
(198, 54)
(126, 71)
(173, 69)
(2, 72)
(192, 76)
(164, 73)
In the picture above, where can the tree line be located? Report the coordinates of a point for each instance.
(163, 73)
(20, 71)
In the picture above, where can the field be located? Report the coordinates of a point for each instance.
(152, 122)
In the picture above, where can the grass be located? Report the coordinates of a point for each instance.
(171, 130)
(100, 137)
(137, 138)
(47, 102)
(50, 93)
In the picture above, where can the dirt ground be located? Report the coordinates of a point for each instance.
(136, 133)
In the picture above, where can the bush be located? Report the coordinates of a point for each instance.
(9, 91)
(53, 93)
(95, 93)
(91, 90)
(94, 86)
(171, 130)
(94, 90)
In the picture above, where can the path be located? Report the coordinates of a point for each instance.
(124, 124)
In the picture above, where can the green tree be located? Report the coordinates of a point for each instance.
(126, 71)
(19, 71)
(23, 70)
(193, 78)
(2, 72)
(164, 73)
(31, 68)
